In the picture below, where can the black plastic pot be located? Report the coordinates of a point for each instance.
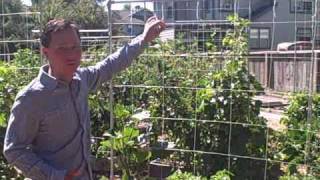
(159, 170)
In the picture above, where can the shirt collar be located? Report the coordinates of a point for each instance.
(51, 82)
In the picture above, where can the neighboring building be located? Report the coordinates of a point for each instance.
(199, 18)
(291, 22)
(131, 22)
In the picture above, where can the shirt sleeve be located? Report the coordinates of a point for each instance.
(21, 131)
(114, 63)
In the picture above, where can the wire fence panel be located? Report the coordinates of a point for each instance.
(212, 93)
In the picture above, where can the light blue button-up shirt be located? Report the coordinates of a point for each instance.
(48, 132)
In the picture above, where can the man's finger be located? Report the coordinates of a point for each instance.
(159, 25)
(154, 23)
(152, 19)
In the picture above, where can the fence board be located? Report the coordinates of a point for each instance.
(290, 71)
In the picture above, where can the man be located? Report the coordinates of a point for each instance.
(48, 134)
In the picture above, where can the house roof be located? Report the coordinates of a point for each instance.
(262, 10)
(135, 17)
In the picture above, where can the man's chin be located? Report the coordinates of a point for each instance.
(72, 69)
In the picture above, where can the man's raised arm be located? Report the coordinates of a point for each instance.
(121, 59)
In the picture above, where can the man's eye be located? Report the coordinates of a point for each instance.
(69, 48)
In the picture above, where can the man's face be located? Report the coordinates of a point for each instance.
(64, 53)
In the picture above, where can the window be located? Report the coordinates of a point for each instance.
(254, 34)
(304, 34)
(206, 10)
(206, 5)
(184, 10)
(170, 12)
(259, 38)
(226, 5)
(264, 33)
(301, 6)
(180, 10)
(157, 9)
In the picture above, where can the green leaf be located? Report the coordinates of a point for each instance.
(3, 120)
(106, 144)
(130, 132)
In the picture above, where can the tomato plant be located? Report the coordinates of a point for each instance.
(298, 143)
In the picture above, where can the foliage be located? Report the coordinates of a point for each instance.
(210, 44)
(298, 143)
(297, 177)
(26, 58)
(7, 93)
(236, 40)
(223, 87)
(210, 96)
(12, 79)
(14, 27)
(178, 175)
(176, 46)
(220, 175)
(227, 97)
(86, 13)
(132, 158)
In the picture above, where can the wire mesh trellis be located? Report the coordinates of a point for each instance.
(273, 22)
(197, 26)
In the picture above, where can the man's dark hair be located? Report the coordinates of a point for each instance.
(55, 25)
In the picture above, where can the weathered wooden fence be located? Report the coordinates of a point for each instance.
(286, 71)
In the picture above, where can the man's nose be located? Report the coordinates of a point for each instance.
(72, 53)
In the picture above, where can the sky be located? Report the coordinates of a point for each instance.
(26, 2)
(116, 6)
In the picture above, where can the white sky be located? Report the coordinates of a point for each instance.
(116, 6)
(26, 2)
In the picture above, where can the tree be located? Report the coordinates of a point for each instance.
(89, 14)
(127, 7)
(86, 13)
(14, 27)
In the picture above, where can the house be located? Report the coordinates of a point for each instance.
(131, 22)
(199, 18)
(290, 22)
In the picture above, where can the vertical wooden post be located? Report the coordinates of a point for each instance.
(109, 4)
(266, 70)
(315, 72)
